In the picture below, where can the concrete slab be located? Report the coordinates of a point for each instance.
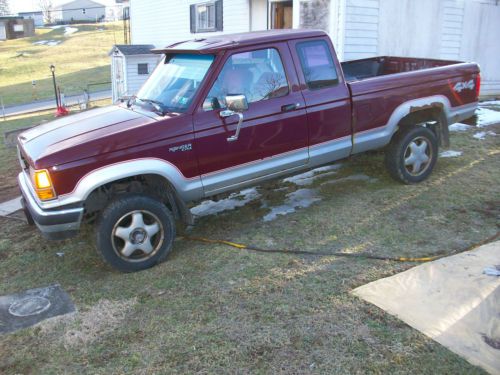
(28, 308)
(9, 207)
(451, 300)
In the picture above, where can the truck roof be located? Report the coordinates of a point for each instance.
(214, 44)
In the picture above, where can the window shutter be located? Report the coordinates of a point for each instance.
(218, 15)
(192, 14)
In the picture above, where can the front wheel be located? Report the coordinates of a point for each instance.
(135, 232)
(412, 154)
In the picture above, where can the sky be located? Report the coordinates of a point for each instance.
(16, 6)
(29, 5)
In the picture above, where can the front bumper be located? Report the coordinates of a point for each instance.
(55, 223)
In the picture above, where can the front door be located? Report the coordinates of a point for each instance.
(281, 14)
(273, 135)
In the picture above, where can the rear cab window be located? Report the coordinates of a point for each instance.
(259, 75)
(317, 64)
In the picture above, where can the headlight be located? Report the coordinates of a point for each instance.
(43, 184)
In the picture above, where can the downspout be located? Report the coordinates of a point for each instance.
(267, 14)
(249, 15)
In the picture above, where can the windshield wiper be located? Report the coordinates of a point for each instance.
(157, 105)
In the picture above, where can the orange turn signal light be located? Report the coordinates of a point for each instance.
(43, 185)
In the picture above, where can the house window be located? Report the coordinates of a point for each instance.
(19, 28)
(206, 17)
(142, 69)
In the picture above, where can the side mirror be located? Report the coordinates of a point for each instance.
(237, 103)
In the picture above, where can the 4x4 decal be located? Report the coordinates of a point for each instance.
(467, 85)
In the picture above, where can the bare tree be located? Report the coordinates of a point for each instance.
(4, 8)
(47, 8)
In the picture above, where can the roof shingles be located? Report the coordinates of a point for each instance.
(134, 49)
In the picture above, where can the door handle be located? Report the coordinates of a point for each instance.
(228, 113)
(290, 107)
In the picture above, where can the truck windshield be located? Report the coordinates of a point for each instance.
(175, 81)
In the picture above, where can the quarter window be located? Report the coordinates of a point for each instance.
(259, 75)
(317, 64)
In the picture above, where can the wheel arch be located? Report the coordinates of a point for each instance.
(436, 107)
(150, 184)
(433, 111)
(161, 177)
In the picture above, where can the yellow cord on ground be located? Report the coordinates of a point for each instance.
(354, 255)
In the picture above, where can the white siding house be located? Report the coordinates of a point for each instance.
(36, 16)
(79, 10)
(465, 30)
(131, 65)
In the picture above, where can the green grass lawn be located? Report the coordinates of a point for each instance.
(9, 166)
(80, 58)
(214, 309)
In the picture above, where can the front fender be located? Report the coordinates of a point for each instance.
(188, 189)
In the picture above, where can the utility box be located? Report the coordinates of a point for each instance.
(16, 27)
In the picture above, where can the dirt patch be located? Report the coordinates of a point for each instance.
(81, 329)
(8, 186)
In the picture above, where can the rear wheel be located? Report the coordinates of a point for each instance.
(135, 232)
(412, 154)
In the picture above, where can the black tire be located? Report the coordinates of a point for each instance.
(135, 217)
(402, 147)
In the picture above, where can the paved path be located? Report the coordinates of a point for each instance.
(49, 104)
(9, 207)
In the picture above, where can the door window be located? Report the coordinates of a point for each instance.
(317, 64)
(259, 75)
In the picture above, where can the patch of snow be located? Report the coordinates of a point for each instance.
(50, 42)
(459, 127)
(354, 177)
(482, 135)
(298, 199)
(56, 27)
(308, 177)
(210, 207)
(450, 154)
(489, 102)
(487, 117)
(69, 30)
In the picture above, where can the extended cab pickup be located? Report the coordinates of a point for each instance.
(228, 111)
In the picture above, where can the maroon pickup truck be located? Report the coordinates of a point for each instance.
(225, 112)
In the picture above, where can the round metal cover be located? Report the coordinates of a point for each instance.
(29, 306)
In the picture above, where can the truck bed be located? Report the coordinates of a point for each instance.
(356, 70)
(382, 85)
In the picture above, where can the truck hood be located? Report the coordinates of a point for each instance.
(82, 135)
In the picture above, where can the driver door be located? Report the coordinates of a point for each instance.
(273, 136)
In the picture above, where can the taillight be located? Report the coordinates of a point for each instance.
(478, 84)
